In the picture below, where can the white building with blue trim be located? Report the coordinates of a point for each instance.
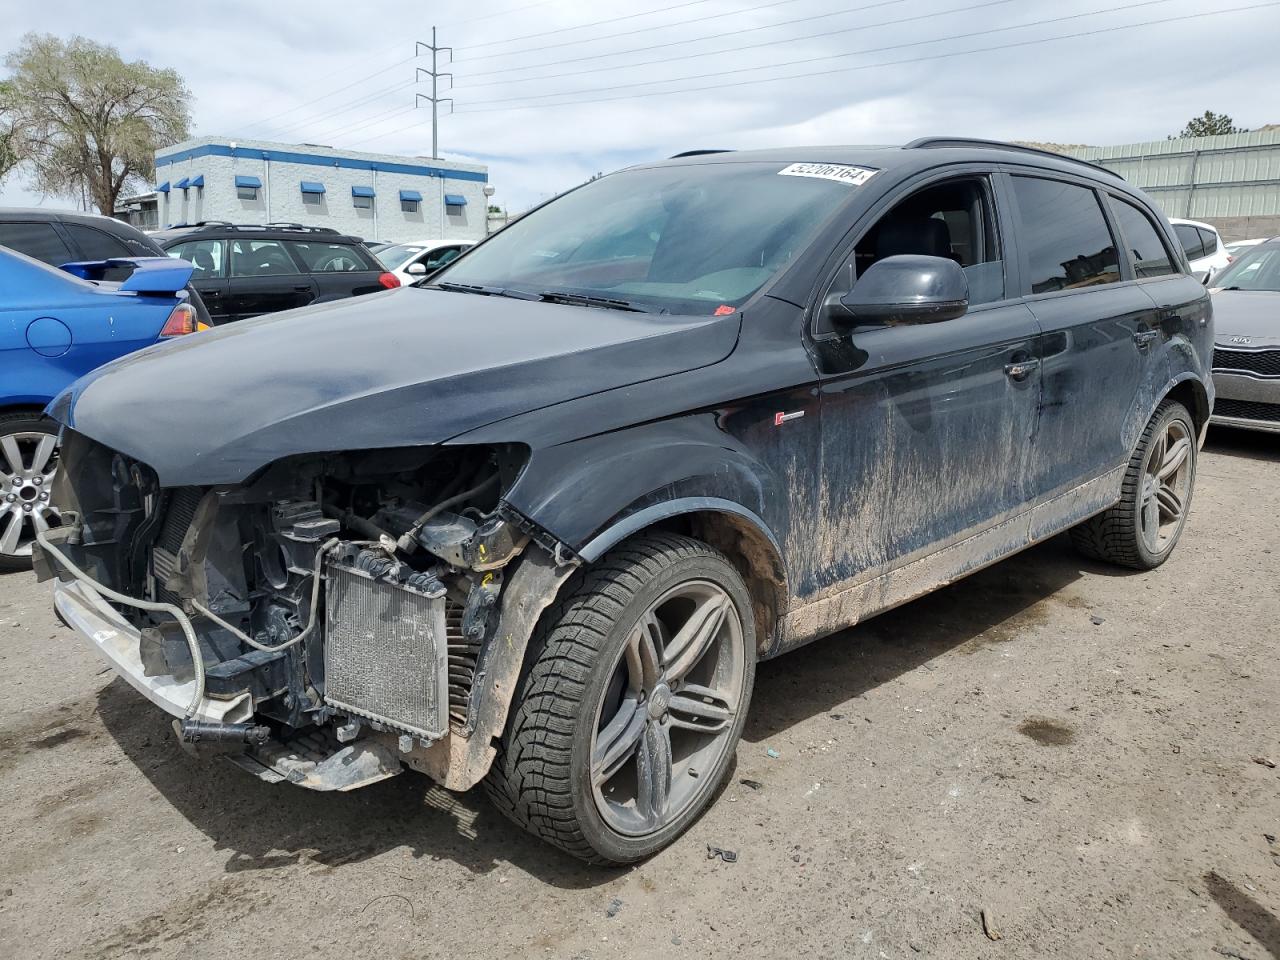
(372, 195)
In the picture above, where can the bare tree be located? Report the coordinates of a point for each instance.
(86, 121)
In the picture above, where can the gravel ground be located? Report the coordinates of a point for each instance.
(1083, 754)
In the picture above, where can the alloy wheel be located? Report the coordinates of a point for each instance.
(666, 719)
(1166, 486)
(28, 463)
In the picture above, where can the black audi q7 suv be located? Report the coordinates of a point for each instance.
(535, 522)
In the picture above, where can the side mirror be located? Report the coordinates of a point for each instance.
(904, 289)
(416, 269)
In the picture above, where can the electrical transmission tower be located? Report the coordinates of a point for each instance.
(435, 99)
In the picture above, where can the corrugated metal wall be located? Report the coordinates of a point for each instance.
(1202, 178)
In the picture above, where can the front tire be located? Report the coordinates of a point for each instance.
(28, 462)
(1143, 528)
(631, 711)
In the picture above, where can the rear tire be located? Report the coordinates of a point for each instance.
(1143, 528)
(630, 713)
(28, 461)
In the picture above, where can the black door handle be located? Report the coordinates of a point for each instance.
(1020, 369)
(303, 287)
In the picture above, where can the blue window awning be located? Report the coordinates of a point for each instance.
(198, 181)
(362, 191)
(312, 186)
(412, 195)
(182, 184)
(162, 187)
(455, 200)
(248, 182)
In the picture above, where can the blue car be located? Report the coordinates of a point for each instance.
(56, 325)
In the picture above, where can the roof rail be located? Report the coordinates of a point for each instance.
(937, 142)
(275, 225)
(696, 153)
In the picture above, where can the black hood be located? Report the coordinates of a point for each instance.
(408, 367)
(1246, 314)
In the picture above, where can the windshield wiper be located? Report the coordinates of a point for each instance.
(483, 291)
(585, 300)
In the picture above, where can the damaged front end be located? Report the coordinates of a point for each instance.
(329, 620)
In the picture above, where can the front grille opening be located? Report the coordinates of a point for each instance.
(1247, 410)
(1264, 363)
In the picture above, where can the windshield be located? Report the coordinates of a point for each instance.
(1257, 269)
(397, 254)
(697, 239)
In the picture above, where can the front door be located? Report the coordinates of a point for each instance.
(926, 429)
(208, 259)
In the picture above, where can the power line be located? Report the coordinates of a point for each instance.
(598, 23)
(363, 124)
(660, 26)
(890, 63)
(681, 43)
(345, 108)
(750, 46)
(496, 13)
(837, 56)
(324, 96)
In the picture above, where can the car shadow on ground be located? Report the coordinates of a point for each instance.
(1252, 444)
(268, 826)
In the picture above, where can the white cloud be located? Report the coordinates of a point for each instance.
(247, 62)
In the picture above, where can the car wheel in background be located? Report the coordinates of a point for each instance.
(630, 713)
(28, 462)
(1143, 528)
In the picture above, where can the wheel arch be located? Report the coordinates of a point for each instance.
(1189, 391)
(737, 532)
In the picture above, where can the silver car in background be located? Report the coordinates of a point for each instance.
(1246, 355)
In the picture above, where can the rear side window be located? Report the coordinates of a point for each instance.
(205, 255)
(1150, 258)
(1192, 240)
(1210, 241)
(96, 244)
(332, 257)
(1068, 244)
(260, 258)
(38, 240)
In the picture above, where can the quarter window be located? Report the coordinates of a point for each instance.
(1192, 240)
(1067, 242)
(1146, 250)
(260, 258)
(331, 257)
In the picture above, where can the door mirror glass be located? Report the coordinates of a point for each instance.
(904, 289)
(416, 269)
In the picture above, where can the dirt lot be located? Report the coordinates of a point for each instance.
(1068, 748)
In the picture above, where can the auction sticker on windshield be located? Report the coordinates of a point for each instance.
(840, 172)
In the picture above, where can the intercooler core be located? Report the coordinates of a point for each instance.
(385, 652)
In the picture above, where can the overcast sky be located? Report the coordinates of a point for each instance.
(670, 76)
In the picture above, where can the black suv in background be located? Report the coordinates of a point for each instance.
(63, 236)
(244, 270)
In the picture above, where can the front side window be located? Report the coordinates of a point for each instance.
(1146, 250)
(39, 241)
(1067, 241)
(954, 220)
(1192, 240)
(260, 258)
(205, 255)
(692, 239)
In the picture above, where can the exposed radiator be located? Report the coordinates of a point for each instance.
(385, 652)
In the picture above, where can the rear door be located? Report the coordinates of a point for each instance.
(1095, 336)
(337, 269)
(264, 278)
(209, 258)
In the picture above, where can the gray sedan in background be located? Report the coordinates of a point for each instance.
(1246, 355)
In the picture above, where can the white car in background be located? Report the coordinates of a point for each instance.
(1237, 247)
(412, 261)
(1203, 246)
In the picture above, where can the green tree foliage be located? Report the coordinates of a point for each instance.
(1210, 125)
(85, 120)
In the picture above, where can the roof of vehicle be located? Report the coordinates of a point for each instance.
(41, 215)
(272, 231)
(1194, 223)
(926, 151)
(431, 243)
